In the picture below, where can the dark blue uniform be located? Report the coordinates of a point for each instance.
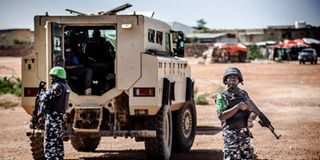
(56, 100)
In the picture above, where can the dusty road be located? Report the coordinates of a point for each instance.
(288, 93)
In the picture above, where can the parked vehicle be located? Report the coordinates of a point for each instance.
(141, 86)
(306, 55)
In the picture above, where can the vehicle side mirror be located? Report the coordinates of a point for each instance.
(179, 50)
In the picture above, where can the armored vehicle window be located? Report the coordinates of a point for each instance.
(57, 58)
(159, 37)
(151, 34)
(168, 44)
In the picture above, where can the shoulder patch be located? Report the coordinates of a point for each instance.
(221, 102)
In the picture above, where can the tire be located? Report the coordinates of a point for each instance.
(85, 144)
(185, 124)
(36, 143)
(160, 147)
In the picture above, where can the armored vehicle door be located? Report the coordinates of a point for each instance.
(54, 48)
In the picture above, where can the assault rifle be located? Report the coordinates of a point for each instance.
(37, 107)
(264, 121)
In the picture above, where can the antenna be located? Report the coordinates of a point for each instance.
(76, 12)
(115, 10)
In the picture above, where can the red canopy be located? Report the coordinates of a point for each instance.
(232, 48)
(287, 43)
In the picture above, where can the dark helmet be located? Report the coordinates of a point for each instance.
(232, 71)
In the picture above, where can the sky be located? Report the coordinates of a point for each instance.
(222, 14)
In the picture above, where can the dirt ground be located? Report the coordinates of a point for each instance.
(288, 93)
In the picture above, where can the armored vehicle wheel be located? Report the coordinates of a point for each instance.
(185, 123)
(36, 143)
(85, 144)
(160, 146)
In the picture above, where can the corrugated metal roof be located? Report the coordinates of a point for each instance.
(251, 33)
(205, 35)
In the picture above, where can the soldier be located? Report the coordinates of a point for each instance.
(56, 100)
(234, 113)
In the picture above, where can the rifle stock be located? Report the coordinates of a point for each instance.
(264, 121)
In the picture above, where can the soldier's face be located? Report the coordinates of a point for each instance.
(232, 80)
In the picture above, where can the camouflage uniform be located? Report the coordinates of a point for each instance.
(236, 139)
(237, 144)
(53, 140)
(56, 100)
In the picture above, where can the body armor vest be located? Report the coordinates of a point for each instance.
(239, 119)
(60, 103)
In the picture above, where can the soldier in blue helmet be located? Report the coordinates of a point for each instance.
(55, 100)
(236, 117)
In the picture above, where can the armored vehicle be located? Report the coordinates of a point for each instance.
(140, 86)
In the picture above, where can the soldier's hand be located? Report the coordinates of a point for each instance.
(42, 97)
(243, 106)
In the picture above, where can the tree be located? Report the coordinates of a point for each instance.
(201, 25)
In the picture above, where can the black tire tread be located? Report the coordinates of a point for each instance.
(36, 143)
(154, 147)
(180, 143)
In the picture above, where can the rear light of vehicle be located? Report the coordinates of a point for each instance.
(143, 92)
(30, 92)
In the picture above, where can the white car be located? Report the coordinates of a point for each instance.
(308, 54)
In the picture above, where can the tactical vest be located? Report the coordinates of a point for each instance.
(60, 103)
(240, 118)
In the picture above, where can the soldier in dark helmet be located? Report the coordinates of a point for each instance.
(55, 100)
(236, 117)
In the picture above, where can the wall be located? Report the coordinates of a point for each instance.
(7, 37)
(16, 51)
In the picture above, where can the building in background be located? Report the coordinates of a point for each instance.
(16, 42)
(16, 37)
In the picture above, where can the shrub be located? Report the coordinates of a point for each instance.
(202, 99)
(21, 42)
(10, 85)
(254, 53)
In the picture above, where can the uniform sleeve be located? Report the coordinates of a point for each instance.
(246, 94)
(220, 103)
(54, 91)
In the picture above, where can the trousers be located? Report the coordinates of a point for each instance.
(53, 138)
(237, 144)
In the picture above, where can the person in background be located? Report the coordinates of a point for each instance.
(79, 76)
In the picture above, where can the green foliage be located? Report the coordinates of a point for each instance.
(202, 99)
(10, 85)
(254, 53)
(21, 42)
(201, 26)
(201, 23)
